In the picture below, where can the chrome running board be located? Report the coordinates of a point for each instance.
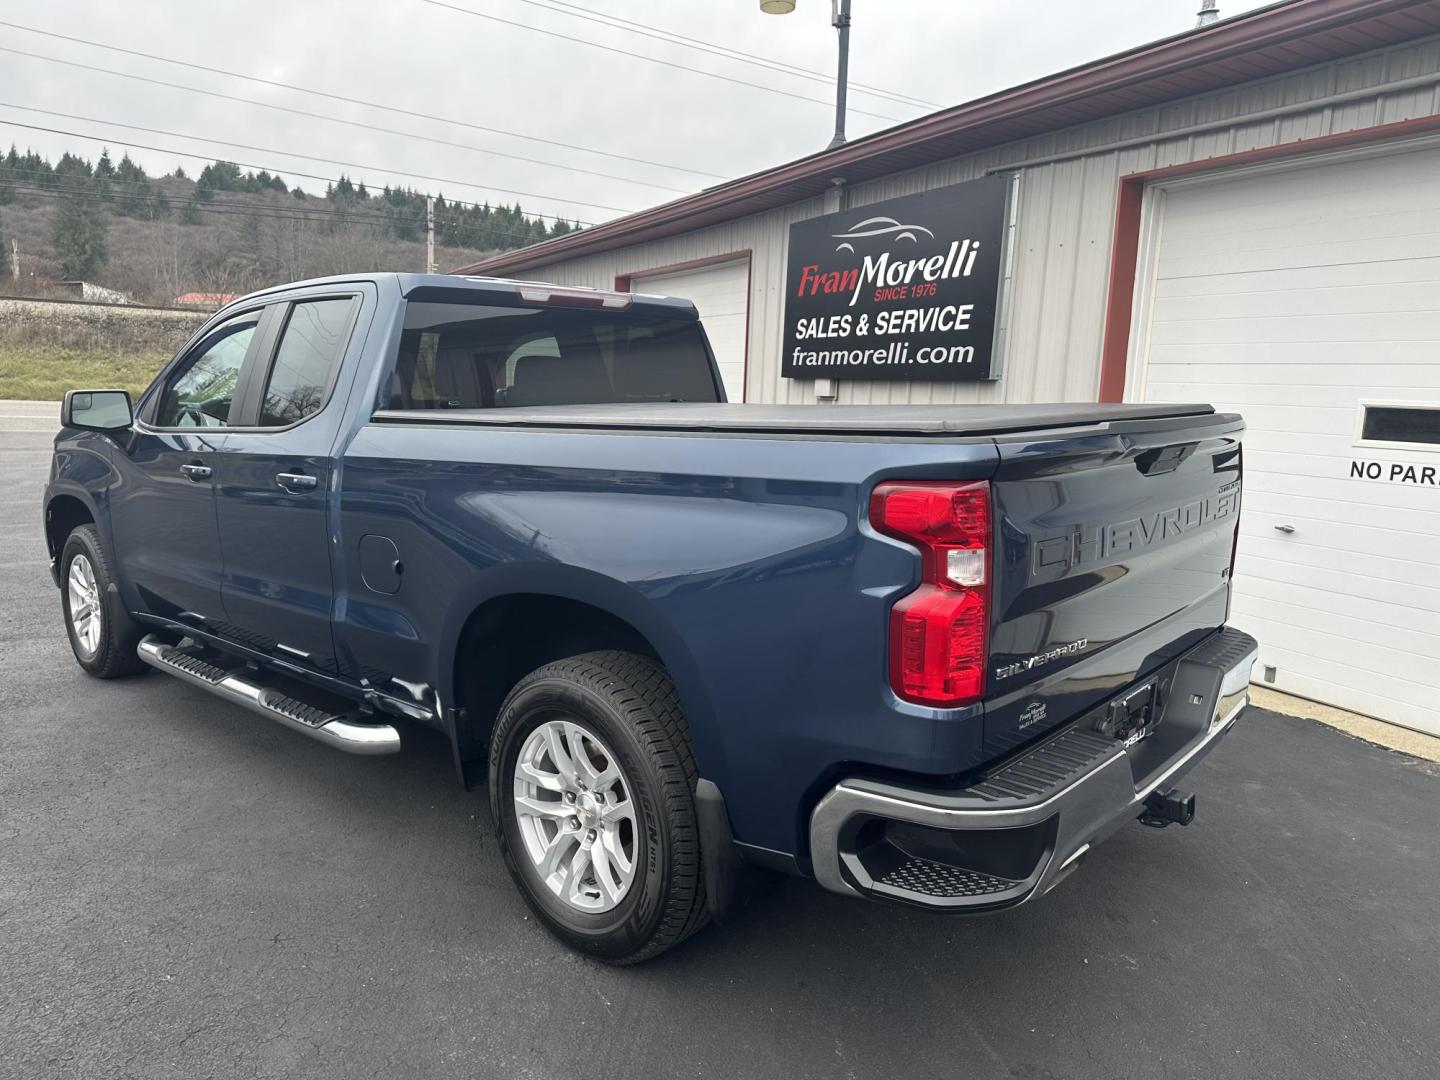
(338, 731)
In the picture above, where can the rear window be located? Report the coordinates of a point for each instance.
(473, 356)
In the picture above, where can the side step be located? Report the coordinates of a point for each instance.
(337, 731)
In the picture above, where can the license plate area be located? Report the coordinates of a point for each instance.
(1133, 717)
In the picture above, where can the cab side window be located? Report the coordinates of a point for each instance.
(201, 392)
(306, 361)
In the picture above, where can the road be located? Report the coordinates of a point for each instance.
(187, 891)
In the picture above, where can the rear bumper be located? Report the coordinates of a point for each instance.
(1017, 832)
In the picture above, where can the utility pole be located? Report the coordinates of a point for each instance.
(430, 234)
(840, 19)
(15, 259)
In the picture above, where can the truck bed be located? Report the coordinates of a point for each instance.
(902, 421)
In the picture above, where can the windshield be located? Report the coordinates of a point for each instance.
(474, 356)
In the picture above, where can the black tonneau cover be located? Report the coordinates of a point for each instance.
(907, 421)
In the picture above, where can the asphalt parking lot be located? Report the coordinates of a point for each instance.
(187, 891)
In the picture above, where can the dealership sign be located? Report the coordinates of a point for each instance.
(903, 289)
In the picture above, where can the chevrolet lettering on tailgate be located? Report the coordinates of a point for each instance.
(1086, 545)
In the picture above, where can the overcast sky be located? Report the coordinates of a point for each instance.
(442, 63)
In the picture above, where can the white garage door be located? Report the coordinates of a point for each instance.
(721, 294)
(1294, 296)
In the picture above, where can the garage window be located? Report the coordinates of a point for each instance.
(1400, 425)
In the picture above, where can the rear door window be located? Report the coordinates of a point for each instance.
(473, 356)
(309, 354)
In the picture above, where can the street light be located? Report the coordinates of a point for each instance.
(840, 19)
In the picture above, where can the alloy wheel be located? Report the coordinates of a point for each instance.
(85, 612)
(576, 816)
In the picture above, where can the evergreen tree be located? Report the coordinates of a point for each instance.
(190, 213)
(220, 176)
(79, 235)
(104, 173)
(72, 172)
(30, 168)
(135, 196)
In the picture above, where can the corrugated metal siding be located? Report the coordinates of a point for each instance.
(1064, 224)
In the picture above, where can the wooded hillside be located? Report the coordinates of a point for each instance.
(225, 231)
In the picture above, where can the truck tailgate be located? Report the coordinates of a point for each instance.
(1114, 555)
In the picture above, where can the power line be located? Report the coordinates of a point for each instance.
(282, 153)
(671, 37)
(359, 101)
(31, 189)
(149, 189)
(306, 157)
(651, 59)
(227, 208)
(331, 180)
(152, 194)
(337, 119)
(156, 197)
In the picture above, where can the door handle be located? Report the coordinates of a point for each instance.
(196, 473)
(1285, 528)
(295, 483)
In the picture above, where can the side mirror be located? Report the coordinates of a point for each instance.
(97, 410)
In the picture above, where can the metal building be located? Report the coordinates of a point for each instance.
(1248, 213)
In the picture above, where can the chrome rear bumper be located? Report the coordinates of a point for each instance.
(1014, 834)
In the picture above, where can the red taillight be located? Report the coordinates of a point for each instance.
(939, 634)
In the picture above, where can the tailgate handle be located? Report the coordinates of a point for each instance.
(1164, 459)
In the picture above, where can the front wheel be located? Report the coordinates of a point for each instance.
(592, 787)
(102, 634)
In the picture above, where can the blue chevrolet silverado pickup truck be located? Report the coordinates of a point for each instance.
(925, 654)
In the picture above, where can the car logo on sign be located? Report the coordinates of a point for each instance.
(880, 226)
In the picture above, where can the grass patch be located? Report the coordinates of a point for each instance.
(45, 372)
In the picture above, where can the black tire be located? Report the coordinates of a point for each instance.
(114, 655)
(630, 703)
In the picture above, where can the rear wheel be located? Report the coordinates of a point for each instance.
(592, 785)
(102, 634)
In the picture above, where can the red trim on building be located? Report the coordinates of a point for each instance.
(1120, 302)
(1125, 248)
(625, 282)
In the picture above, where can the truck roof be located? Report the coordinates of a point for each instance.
(455, 287)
